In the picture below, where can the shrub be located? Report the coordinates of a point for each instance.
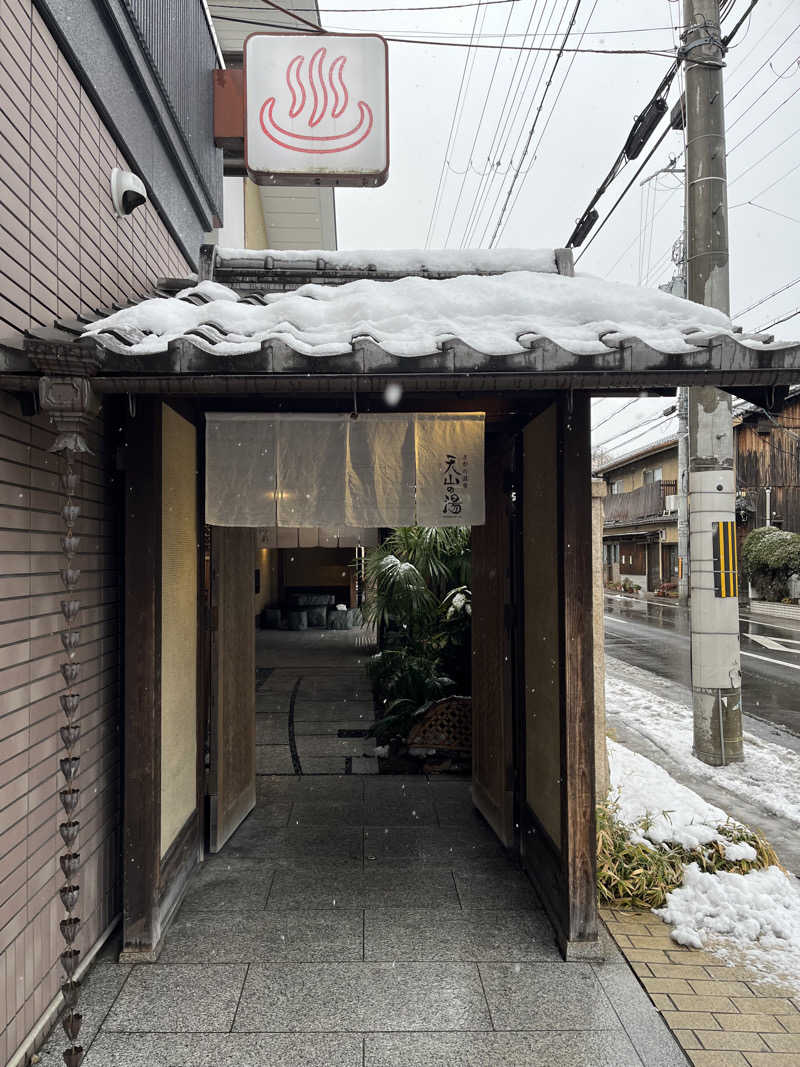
(770, 557)
(636, 876)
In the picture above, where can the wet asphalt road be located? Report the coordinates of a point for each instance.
(655, 637)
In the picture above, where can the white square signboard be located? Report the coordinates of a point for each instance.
(316, 109)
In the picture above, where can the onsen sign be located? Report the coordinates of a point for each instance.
(316, 109)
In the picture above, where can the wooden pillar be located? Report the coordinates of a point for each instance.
(557, 788)
(492, 677)
(162, 830)
(578, 798)
(142, 717)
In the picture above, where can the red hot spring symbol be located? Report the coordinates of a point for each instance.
(327, 92)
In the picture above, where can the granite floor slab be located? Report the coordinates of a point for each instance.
(418, 934)
(226, 886)
(274, 759)
(225, 1050)
(363, 889)
(334, 711)
(558, 997)
(546, 1048)
(274, 936)
(309, 745)
(300, 846)
(494, 886)
(362, 997)
(271, 788)
(178, 998)
(430, 844)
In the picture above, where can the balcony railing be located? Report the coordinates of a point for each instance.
(176, 38)
(648, 502)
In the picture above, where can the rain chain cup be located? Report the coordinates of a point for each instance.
(70, 763)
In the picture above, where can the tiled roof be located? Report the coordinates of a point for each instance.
(239, 340)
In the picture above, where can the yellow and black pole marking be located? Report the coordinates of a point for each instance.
(726, 560)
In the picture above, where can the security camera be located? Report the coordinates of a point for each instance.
(127, 191)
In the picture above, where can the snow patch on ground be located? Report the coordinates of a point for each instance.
(673, 814)
(493, 314)
(769, 776)
(753, 918)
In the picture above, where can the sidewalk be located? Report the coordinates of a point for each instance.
(723, 1016)
(723, 1011)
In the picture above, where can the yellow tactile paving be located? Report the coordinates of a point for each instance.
(722, 1016)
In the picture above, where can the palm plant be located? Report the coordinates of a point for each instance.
(418, 595)
(409, 575)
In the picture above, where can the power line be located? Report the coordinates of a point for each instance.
(646, 428)
(771, 185)
(619, 199)
(764, 121)
(764, 299)
(664, 53)
(644, 125)
(477, 132)
(533, 126)
(650, 118)
(758, 42)
(615, 413)
(772, 211)
(504, 132)
(535, 153)
(777, 322)
(450, 140)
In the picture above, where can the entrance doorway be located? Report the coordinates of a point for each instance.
(532, 778)
(653, 566)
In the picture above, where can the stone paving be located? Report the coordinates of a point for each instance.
(314, 703)
(723, 1016)
(357, 920)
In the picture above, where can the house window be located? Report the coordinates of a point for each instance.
(651, 476)
(616, 487)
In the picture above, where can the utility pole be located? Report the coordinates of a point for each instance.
(683, 496)
(714, 612)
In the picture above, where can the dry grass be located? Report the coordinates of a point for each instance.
(632, 875)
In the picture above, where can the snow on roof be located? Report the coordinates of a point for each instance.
(413, 316)
(402, 260)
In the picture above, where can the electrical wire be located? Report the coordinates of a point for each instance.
(535, 153)
(660, 420)
(614, 414)
(772, 25)
(505, 126)
(764, 299)
(532, 130)
(664, 53)
(777, 322)
(771, 185)
(477, 132)
(431, 7)
(450, 141)
(619, 199)
(765, 156)
(764, 121)
(620, 162)
(772, 211)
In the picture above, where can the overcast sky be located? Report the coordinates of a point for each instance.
(587, 128)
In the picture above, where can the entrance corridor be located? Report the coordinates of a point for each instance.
(359, 920)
